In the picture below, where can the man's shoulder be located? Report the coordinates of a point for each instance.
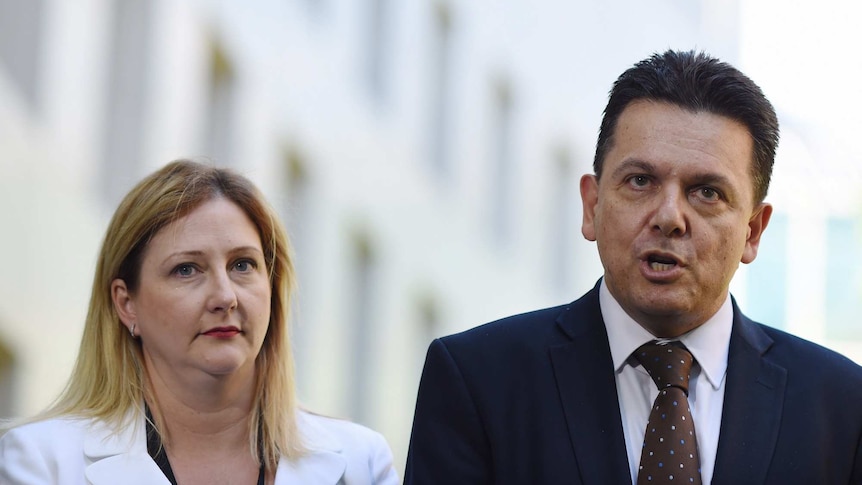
(817, 368)
(532, 325)
(546, 325)
(526, 336)
(794, 350)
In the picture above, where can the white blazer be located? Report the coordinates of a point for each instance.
(85, 452)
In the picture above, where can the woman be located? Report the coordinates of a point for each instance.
(184, 374)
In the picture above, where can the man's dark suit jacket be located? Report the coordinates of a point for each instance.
(531, 399)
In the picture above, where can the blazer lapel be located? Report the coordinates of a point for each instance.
(120, 458)
(123, 457)
(753, 404)
(322, 465)
(584, 373)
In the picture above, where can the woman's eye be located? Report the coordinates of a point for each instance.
(244, 265)
(184, 270)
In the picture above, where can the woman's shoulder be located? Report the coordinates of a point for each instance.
(48, 431)
(368, 456)
(329, 432)
(46, 451)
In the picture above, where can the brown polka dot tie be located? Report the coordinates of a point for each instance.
(669, 452)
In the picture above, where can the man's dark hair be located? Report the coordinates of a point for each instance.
(699, 83)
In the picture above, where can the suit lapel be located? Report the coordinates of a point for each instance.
(753, 404)
(120, 458)
(583, 369)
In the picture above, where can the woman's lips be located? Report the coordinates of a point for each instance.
(222, 332)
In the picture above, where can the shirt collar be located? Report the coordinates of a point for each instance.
(708, 343)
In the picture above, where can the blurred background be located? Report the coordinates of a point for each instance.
(424, 154)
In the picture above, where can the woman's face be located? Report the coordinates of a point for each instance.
(202, 306)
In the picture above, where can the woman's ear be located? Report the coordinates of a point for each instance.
(123, 303)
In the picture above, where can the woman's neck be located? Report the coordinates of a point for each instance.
(208, 412)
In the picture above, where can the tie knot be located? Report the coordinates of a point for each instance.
(668, 364)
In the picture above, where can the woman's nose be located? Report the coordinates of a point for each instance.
(223, 293)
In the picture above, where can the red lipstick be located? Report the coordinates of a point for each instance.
(222, 332)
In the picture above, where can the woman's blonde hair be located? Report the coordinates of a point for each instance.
(109, 377)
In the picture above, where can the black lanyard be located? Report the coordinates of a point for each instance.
(157, 453)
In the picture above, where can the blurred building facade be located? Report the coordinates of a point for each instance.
(425, 156)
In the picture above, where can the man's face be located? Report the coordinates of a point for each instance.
(673, 214)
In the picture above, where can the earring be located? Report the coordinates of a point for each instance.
(132, 330)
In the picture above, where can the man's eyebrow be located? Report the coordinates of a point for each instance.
(636, 164)
(712, 179)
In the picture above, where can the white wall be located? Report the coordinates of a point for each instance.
(301, 86)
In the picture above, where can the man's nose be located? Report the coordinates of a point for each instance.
(669, 217)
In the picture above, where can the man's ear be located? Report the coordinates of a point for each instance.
(123, 303)
(756, 225)
(589, 199)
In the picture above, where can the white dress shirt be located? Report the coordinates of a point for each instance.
(636, 390)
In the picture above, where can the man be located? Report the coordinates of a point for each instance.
(682, 166)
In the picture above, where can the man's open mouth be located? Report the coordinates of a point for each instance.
(661, 263)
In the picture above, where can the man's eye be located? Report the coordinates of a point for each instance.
(709, 193)
(639, 180)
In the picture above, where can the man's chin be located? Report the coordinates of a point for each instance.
(664, 315)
